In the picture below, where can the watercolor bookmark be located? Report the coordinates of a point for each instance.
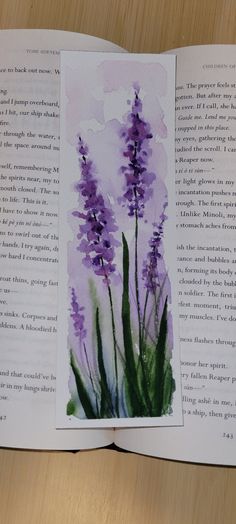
(118, 362)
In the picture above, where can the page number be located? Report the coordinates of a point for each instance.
(229, 436)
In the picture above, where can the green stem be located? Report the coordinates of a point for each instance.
(106, 408)
(156, 320)
(136, 401)
(153, 311)
(81, 389)
(91, 379)
(141, 348)
(160, 362)
(115, 350)
(136, 281)
(144, 315)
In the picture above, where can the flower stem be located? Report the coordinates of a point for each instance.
(156, 320)
(91, 378)
(115, 350)
(136, 280)
(144, 315)
(141, 347)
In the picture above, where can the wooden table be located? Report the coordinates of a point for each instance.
(106, 486)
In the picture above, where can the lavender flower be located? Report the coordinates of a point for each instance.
(150, 273)
(138, 179)
(77, 316)
(97, 241)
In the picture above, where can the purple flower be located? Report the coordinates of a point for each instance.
(150, 273)
(136, 134)
(98, 222)
(77, 316)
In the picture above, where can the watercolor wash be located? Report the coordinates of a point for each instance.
(120, 339)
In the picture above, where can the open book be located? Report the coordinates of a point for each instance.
(206, 203)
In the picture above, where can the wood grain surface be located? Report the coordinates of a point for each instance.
(138, 25)
(108, 486)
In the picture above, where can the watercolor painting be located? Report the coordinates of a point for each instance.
(120, 341)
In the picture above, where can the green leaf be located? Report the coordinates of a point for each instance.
(106, 408)
(169, 388)
(81, 390)
(135, 400)
(145, 384)
(70, 408)
(160, 363)
(149, 359)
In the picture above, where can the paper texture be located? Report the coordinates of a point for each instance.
(118, 339)
(29, 176)
(206, 200)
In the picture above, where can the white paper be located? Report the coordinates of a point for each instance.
(105, 98)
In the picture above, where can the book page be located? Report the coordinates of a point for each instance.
(118, 357)
(206, 212)
(29, 182)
